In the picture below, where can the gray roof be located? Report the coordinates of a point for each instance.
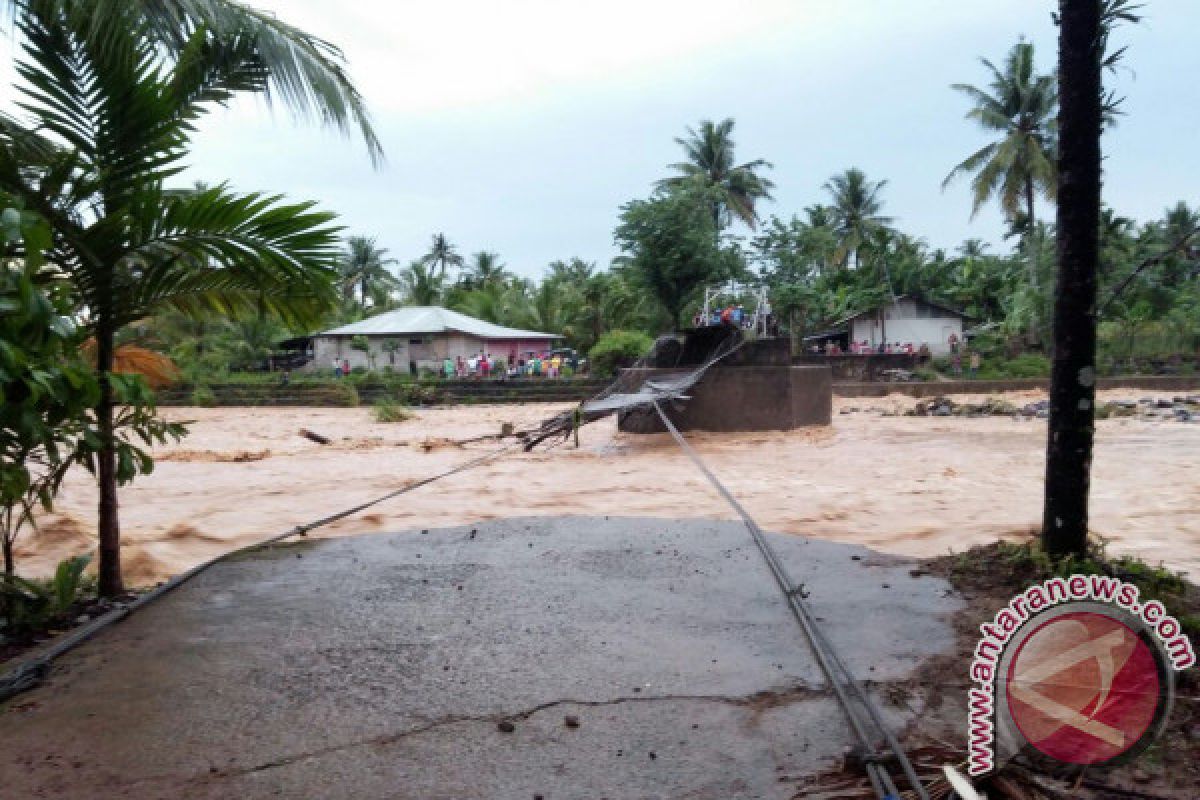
(431, 319)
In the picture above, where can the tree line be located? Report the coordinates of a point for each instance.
(702, 225)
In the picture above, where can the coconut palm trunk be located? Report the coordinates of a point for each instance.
(1033, 244)
(1073, 374)
(109, 525)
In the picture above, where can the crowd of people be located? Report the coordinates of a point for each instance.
(958, 352)
(736, 316)
(485, 365)
(530, 365)
(833, 348)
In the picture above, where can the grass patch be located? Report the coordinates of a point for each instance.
(387, 411)
(1026, 365)
(1014, 566)
(926, 374)
(204, 397)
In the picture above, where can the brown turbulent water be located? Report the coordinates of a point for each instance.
(913, 486)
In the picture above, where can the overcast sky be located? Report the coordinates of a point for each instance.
(522, 126)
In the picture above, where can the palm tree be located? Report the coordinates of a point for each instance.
(1071, 425)
(364, 265)
(492, 302)
(113, 92)
(972, 249)
(421, 284)
(304, 72)
(442, 254)
(541, 310)
(575, 272)
(1181, 229)
(484, 270)
(855, 210)
(1020, 108)
(710, 163)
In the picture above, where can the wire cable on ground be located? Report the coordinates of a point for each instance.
(839, 676)
(30, 672)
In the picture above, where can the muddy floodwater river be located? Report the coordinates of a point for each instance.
(908, 485)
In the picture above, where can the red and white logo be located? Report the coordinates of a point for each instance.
(1083, 688)
(1080, 669)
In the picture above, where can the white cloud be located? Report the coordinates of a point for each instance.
(427, 56)
(521, 125)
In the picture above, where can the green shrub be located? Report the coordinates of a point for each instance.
(618, 349)
(68, 580)
(1026, 365)
(345, 394)
(925, 374)
(204, 397)
(418, 394)
(387, 411)
(30, 606)
(1025, 562)
(25, 604)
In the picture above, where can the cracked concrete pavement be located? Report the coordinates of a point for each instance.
(382, 666)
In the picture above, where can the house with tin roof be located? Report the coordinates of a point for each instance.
(906, 319)
(420, 337)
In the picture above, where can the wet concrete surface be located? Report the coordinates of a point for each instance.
(385, 666)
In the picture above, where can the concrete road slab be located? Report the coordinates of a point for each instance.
(385, 666)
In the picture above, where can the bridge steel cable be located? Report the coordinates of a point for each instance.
(836, 672)
(30, 673)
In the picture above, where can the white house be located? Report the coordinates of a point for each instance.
(906, 319)
(421, 337)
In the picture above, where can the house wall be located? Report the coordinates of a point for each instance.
(522, 347)
(909, 321)
(467, 346)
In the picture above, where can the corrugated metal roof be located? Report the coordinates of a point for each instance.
(431, 319)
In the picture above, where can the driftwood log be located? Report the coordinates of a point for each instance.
(315, 437)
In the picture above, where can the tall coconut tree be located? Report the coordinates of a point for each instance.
(855, 208)
(574, 272)
(485, 269)
(710, 163)
(1019, 107)
(442, 254)
(421, 284)
(364, 266)
(110, 95)
(1181, 231)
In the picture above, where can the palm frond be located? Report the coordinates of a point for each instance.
(303, 72)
